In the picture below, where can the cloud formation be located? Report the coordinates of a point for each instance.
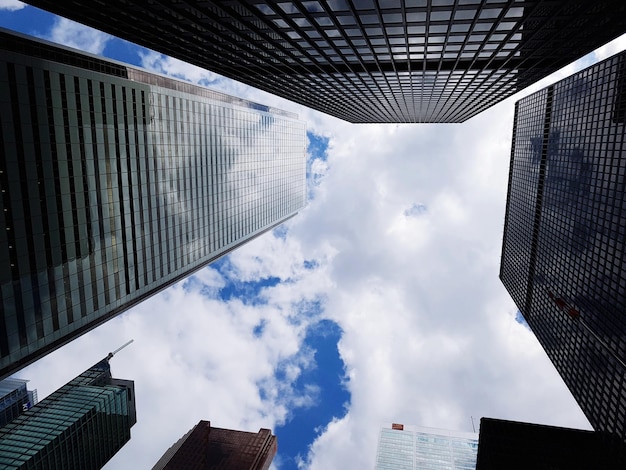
(430, 335)
(72, 34)
(196, 356)
(159, 63)
(11, 5)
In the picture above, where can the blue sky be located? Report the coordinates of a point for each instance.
(327, 375)
(380, 302)
(324, 373)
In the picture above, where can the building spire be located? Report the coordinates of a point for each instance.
(111, 354)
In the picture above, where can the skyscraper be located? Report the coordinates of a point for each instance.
(413, 448)
(116, 183)
(15, 399)
(206, 448)
(368, 60)
(514, 445)
(563, 254)
(81, 425)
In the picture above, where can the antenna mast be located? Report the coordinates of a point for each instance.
(111, 354)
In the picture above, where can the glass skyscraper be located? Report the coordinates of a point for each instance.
(510, 445)
(402, 447)
(563, 254)
(80, 426)
(15, 399)
(368, 60)
(116, 183)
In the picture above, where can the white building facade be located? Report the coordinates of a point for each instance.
(402, 447)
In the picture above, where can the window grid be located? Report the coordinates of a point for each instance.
(369, 60)
(565, 227)
(134, 184)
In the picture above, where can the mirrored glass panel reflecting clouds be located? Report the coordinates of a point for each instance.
(117, 183)
(563, 255)
(414, 447)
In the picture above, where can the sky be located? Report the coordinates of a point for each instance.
(379, 302)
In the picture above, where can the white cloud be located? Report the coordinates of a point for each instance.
(11, 5)
(160, 63)
(430, 336)
(319, 168)
(195, 358)
(78, 36)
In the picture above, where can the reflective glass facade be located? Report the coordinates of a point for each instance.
(417, 448)
(15, 399)
(368, 60)
(563, 255)
(116, 183)
(80, 426)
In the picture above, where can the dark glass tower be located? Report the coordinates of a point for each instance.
(80, 426)
(563, 254)
(116, 183)
(368, 60)
(208, 448)
(514, 445)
